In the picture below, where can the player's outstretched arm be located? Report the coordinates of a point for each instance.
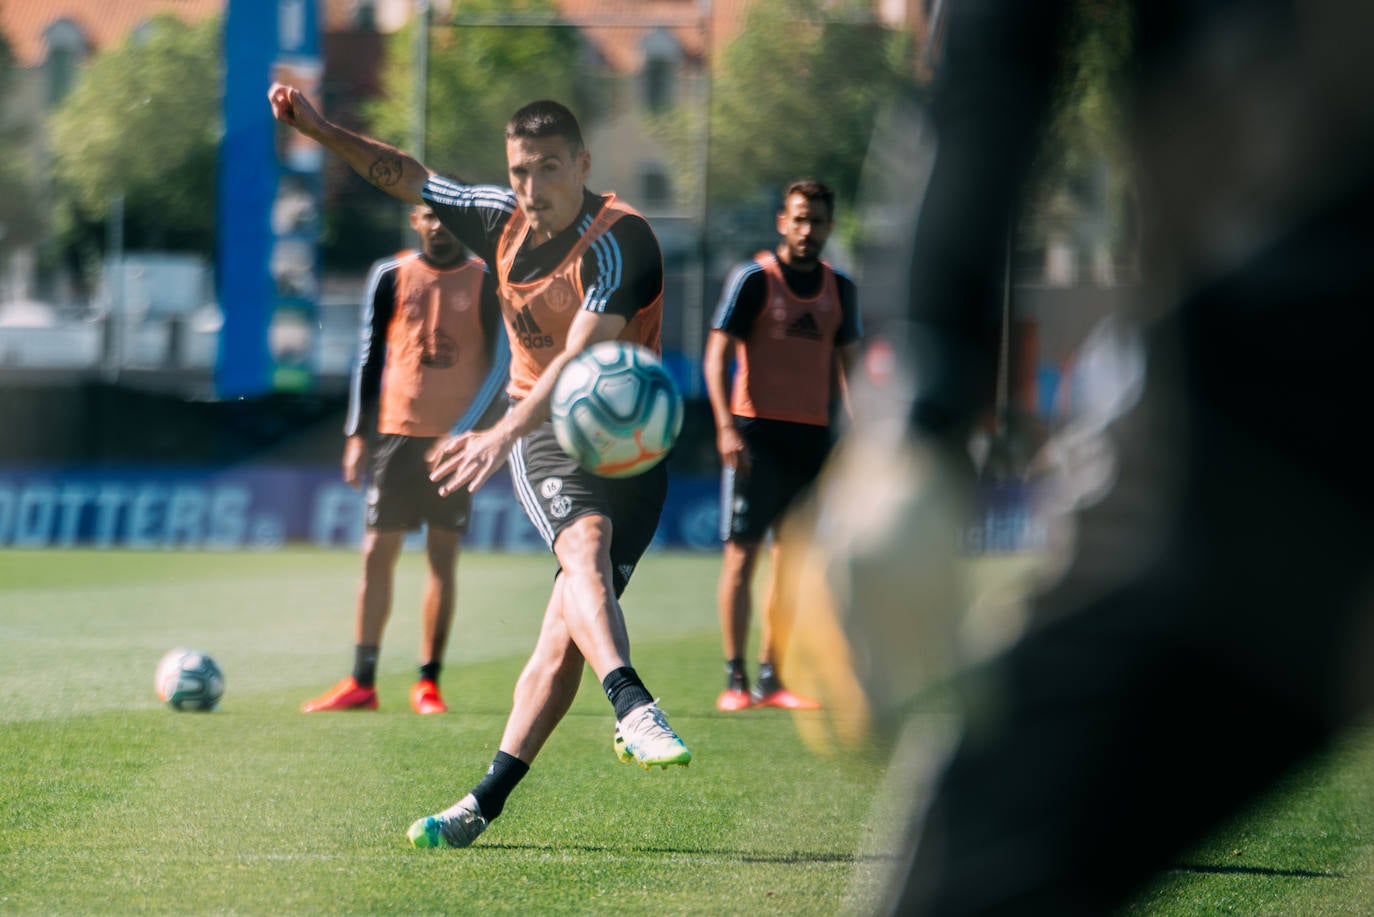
(395, 172)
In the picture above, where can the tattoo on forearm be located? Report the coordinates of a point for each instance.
(385, 170)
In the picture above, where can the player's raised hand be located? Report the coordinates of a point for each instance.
(291, 107)
(468, 459)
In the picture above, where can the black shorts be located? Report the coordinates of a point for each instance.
(554, 490)
(400, 495)
(784, 460)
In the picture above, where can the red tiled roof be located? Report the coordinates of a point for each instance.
(617, 27)
(104, 23)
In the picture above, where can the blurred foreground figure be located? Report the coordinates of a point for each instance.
(1213, 628)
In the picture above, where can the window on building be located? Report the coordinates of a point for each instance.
(658, 84)
(365, 16)
(662, 57)
(654, 188)
(66, 46)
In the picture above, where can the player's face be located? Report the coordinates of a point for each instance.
(804, 226)
(547, 177)
(438, 244)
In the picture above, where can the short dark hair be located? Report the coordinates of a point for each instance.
(545, 118)
(812, 190)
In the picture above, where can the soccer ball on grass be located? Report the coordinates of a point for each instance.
(616, 410)
(189, 680)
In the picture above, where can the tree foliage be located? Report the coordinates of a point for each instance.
(1088, 112)
(796, 94)
(143, 122)
(478, 77)
(1083, 171)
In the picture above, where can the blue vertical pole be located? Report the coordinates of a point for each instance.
(247, 180)
(265, 342)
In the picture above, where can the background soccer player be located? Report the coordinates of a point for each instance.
(433, 360)
(791, 323)
(573, 268)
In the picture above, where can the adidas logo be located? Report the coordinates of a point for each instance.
(525, 323)
(528, 332)
(805, 327)
(439, 351)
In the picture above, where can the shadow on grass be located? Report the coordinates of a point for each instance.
(1203, 869)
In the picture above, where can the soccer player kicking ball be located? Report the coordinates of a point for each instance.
(573, 268)
(791, 322)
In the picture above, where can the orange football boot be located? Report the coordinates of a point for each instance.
(346, 695)
(783, 698)
(424, 698)
(732, 699)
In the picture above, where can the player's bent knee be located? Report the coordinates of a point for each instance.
(585, 545)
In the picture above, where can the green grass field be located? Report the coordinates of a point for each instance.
(111, 803)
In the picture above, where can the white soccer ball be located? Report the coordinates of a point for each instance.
(189, 680)
(616, 410)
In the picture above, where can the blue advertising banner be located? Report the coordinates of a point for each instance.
(262, 507)
(268, 203)
(265, 507)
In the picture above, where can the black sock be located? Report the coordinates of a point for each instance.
(430, 671)
(768, 679)
(625, 691)
(365, 664)
(737, 679)
(505, 772)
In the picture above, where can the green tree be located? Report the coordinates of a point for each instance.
(19, 221)
(1083, 180)
(796, 94)
(478, 76)
(143, 122)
